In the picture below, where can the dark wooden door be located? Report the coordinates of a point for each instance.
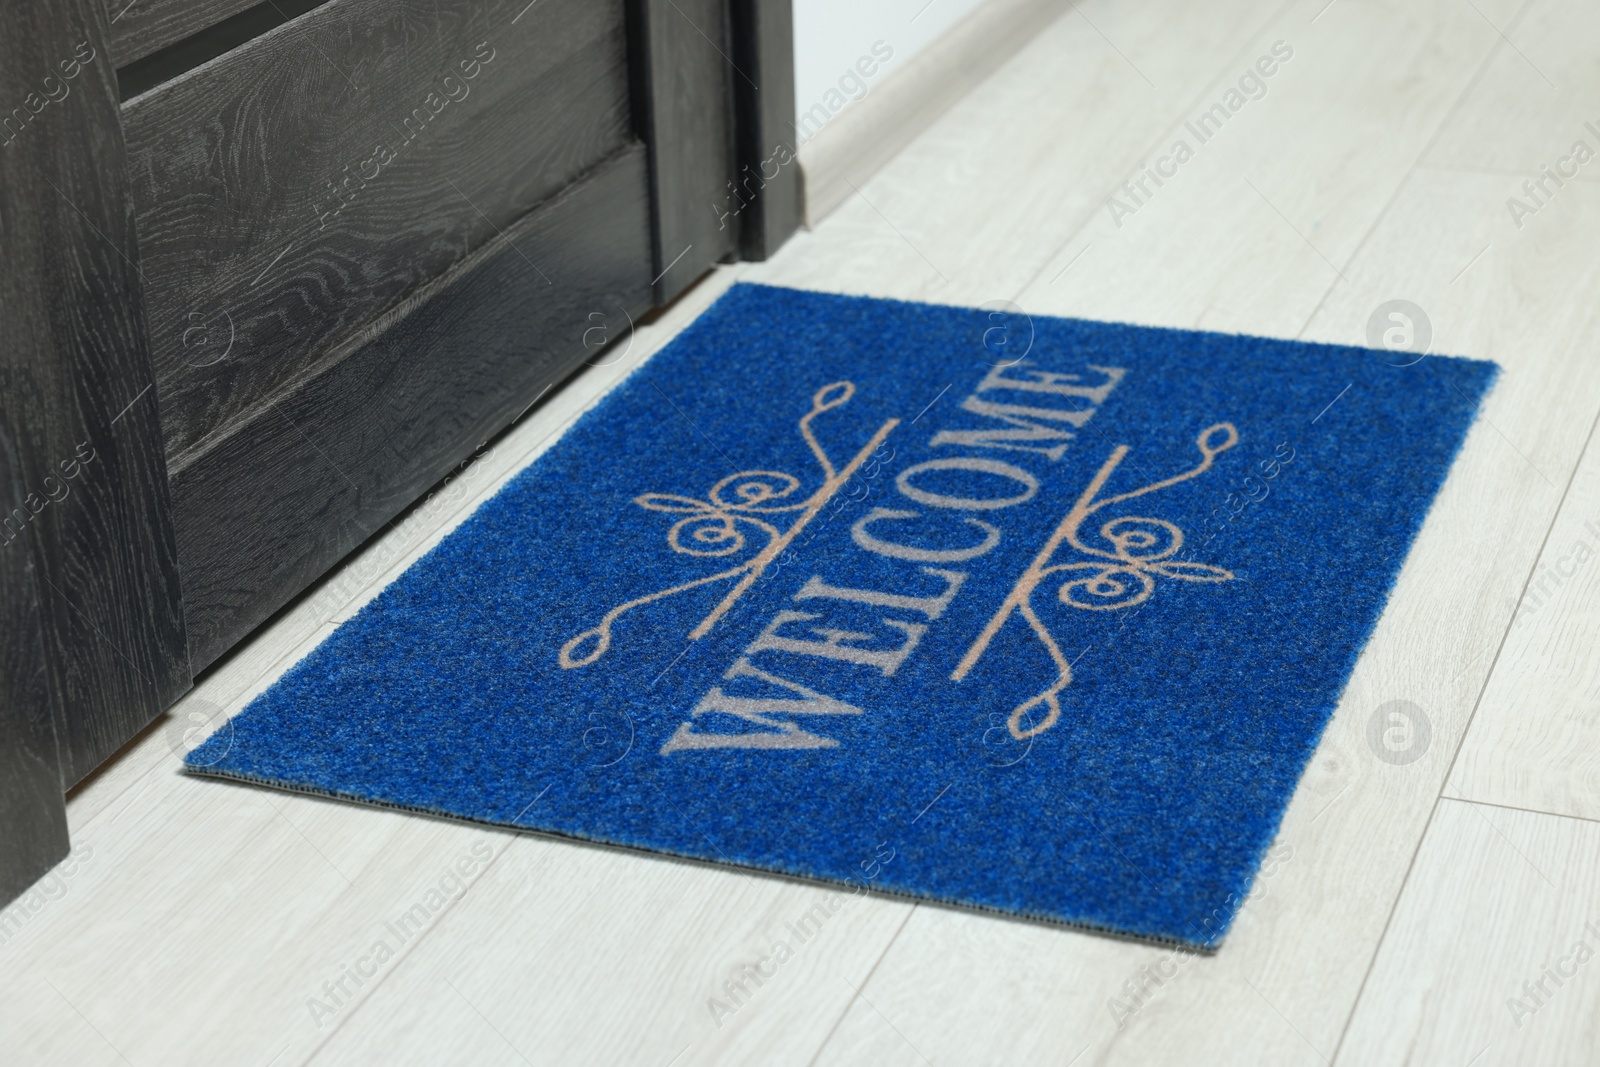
(273, 269)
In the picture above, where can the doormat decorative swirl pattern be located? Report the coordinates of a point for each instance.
(1044, 617)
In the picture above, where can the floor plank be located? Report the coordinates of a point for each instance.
(973, 209)
(201, 924)
(1534, 99)
(1534, 742)
(1254, 229)
(1496, 899)
(684, 958)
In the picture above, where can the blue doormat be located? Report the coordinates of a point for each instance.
(1042, 617)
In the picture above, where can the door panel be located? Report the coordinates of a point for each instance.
(294, 189)
(293, 488)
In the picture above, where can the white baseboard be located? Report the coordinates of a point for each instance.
(852, 147)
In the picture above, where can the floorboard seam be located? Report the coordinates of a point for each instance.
(1460, 744)
(316, 1050)
(1525, 811)
(822, 1046)
(1204, 93)
(1417, 164)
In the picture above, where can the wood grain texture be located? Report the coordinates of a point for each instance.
(303, 184)
(1496, 900)
(768, 173)
(33, 811)
(303, 479)
(683, 64)
(76, 382)
(140, 27)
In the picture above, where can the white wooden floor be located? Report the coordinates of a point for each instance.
(1438, 911)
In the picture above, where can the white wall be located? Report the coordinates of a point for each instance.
(831, 37)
